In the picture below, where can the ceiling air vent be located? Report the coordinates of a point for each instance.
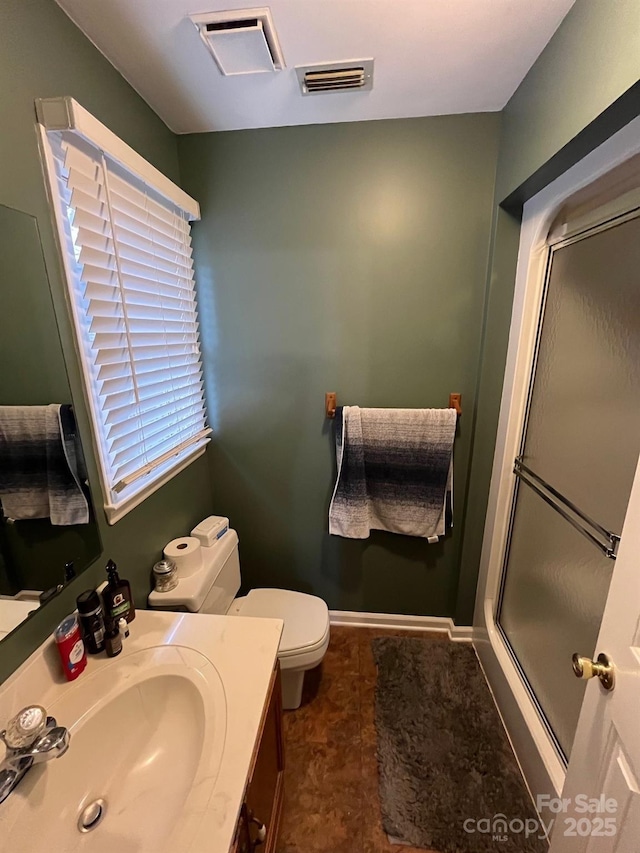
(336, 77)
(242, 41)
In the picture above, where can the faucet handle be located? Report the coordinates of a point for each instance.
(25, 728)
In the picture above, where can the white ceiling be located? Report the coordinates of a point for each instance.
(432, 57)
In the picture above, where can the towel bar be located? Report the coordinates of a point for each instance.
(331, 402)
(602, 538)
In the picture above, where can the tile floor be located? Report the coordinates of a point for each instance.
(331, 777)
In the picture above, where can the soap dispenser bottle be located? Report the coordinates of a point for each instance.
(118, 601)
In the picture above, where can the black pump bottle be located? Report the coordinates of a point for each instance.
(118, 601)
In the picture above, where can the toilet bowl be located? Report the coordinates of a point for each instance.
(305, 637)
(213, 587)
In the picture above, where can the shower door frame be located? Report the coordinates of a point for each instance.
(542, 764)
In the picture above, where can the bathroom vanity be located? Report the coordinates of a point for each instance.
(176, 744)
(260, 814)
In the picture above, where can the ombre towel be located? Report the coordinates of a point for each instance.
(40, 465)
(395, 472)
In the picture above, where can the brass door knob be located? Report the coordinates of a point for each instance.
(602, 669)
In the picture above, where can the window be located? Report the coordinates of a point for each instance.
(125, 238)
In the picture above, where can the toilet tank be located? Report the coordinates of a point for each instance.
(225, 574)
(210, 589)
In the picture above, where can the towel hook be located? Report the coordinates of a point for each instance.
(330, 403)
(455, 402)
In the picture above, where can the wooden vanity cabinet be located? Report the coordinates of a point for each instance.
(242, 842)
(260, 815)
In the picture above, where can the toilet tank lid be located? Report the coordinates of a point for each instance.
(306, 617)
(191, 592)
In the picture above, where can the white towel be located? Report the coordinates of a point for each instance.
(395, 472)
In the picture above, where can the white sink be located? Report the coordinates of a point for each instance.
(144, 733)
(150, 737)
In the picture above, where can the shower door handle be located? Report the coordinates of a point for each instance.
(602, 538)
(602, 669)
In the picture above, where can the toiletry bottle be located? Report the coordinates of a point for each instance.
(68, 637)
(112, 638)
(123, 628)
(91, 620)
(117, 597)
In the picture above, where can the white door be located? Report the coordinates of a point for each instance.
(600, 807)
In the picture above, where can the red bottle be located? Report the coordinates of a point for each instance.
(68, 637)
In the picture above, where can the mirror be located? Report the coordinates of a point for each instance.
(33, 552)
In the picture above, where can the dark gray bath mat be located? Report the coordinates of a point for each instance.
(447, 771)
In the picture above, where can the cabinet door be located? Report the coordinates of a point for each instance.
(263, 801)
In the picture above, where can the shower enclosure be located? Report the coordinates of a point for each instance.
(576, 464)
(566, 454)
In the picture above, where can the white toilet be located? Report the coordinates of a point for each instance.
(212, 588)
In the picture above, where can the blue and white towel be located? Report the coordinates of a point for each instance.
(41, 465)
(395, 471)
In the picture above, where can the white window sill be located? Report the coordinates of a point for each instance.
(115, 512)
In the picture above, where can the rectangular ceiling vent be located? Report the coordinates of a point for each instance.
(336, 77)
(242, 41)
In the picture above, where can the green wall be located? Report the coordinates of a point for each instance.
(42, 54)
(592, 59)
(348, 258)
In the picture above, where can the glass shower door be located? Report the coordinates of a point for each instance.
(578, 458)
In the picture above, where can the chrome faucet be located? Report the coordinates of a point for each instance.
(31, 737)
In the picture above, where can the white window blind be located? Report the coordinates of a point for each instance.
(130, 277)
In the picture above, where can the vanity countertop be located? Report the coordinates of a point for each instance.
(243, 650)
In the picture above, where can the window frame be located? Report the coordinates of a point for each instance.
(65, 114)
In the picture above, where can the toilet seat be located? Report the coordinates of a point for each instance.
(305, 617)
